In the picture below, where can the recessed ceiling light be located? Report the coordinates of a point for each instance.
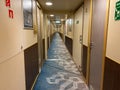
(52, 15)
(49, 3)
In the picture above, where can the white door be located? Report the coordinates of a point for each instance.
(77, 38)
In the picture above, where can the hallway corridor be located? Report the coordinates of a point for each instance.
(59, 72)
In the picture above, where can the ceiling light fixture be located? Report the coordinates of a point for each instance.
(49, 3)
(57, 22)
(52, 15)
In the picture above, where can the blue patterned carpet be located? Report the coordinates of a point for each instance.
(59, 72)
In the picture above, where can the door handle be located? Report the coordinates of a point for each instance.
(91, 45)
(80, 39)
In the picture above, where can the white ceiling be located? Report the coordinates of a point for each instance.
(60, 7)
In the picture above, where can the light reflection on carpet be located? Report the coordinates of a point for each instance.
(70, 83)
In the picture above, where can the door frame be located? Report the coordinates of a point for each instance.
(39, 37)
(89, 39)
(105, 40)
(83, 18)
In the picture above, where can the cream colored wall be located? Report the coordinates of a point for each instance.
(48, 30)
(29, 36)
(53, 28)
(46, 33)
(41, 21)
(42, 25)
(9, 29)
(113, 38)
(12, 38)
(77, 54)
(61, 29)
(12, 75)
(86, 21)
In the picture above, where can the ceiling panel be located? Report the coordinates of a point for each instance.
(61, 5)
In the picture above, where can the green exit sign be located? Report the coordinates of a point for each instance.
(117, 10)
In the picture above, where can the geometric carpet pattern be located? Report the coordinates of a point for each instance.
(59, 71)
